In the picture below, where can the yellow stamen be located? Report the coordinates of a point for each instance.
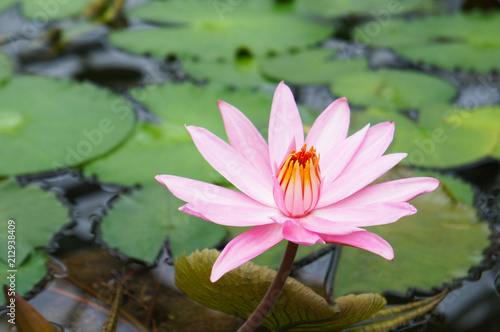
(300, 174)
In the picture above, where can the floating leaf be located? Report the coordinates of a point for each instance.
(457, 189)
(48, 10)
(239, 292)
(377, 8)
(78, 123)
(167, 148)
(435, 245)
(451, 56)
(6, 67)
(484, 119)
(459, 40)
(139, 224)
(392, 89)
(29, 273)
(212, 30)
(7, 4)
(437, 145)
(240, 72)
(317, 66)
(37, 214)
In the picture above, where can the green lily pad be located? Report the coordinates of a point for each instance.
(310, 67)
(47, 10)
(382, 8)
(421, 243)
(484, 119)
(392, 89)
(167, 148)
(7, 4)
(139, 224)
(242, 71)
(438, 145)
(461, 40)
(239, 292)
(37, 214)
(48, 124)
(451, 56)
(6, 67)
(212, 30)
(28, 274)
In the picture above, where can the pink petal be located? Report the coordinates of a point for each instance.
(401, 190)
(278, 196)
(324, 226)
(366, 215)
(246, 246)
(233, 166)
(245, 138)
(377, 140)
(294, 232)
(333, 162)
(232, 215)
(357, 178)
(220, 205)
(330, 127)
(198, 192)
(364, 240)
(285, 126)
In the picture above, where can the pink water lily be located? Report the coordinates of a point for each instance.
(305, 191)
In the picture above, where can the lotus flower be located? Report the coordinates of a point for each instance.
(305, 191)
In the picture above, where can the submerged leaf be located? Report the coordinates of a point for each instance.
(239, 292)
(114, 314)
(139, 224)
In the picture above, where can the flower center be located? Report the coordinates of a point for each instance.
(300, 180)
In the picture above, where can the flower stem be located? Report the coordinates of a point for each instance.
(254, 321)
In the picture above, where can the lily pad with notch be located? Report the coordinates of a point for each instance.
(316, 66)
(242, 71)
